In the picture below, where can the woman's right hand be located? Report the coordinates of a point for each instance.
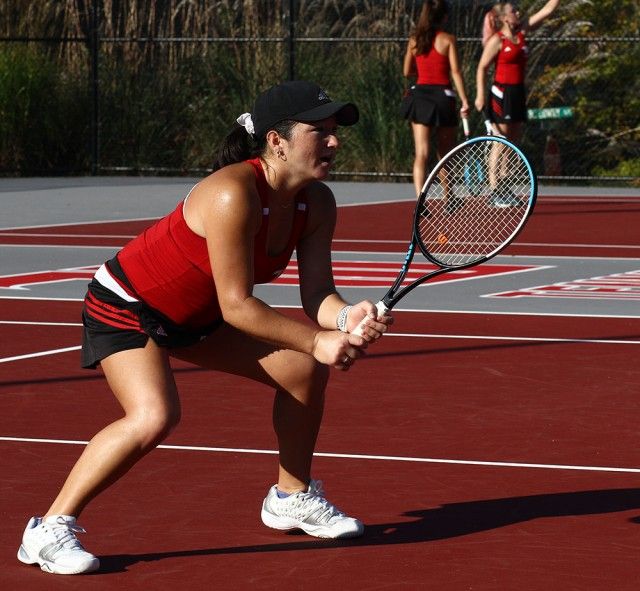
(338, 349)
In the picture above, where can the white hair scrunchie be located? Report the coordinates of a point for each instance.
(246, 122)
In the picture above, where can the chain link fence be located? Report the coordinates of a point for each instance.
(131, 87)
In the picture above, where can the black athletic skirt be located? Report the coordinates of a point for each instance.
(508, 103)
(112, 324)
(430, 104)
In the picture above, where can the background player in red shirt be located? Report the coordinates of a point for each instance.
(432, 57)
(184, 289)
(507, 48)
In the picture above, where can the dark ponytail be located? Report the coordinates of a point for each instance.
(432, 17)
(238, 145)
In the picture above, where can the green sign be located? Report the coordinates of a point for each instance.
(551, 113)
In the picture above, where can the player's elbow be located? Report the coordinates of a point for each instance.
(234, 308)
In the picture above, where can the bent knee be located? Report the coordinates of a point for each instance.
(153, 425)
(307, 376)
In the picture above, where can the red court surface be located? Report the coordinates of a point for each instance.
(482, 451)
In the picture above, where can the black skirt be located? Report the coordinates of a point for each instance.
(430, 104)
(508, 103)
(112, 324)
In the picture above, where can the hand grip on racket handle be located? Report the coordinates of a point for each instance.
(465, 126)
(381, 311)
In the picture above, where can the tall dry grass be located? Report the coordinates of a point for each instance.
(174, 74)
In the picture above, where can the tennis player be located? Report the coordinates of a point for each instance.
(430, 105)
(184, 289)
(507, 47)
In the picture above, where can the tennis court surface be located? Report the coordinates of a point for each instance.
(489, 442)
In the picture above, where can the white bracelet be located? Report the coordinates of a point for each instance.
(341, 319)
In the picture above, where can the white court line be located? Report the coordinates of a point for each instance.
(353, 456)
(397, 309)
(73, 224)
(39, 354)
(535, 244)
(521, 339)
(36, 235)
(461, 337)
(25, 323)
(336, 240)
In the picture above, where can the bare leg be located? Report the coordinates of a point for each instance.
(142, 382)
(421, 135)
(299, 382)
(512, 131)
(446, 137)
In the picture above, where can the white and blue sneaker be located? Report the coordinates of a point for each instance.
(309, 511)
(52, 544)
(508, 200)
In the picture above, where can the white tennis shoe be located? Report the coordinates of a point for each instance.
(309, 511)
(52, 544)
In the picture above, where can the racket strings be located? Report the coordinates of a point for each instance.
(477, 199)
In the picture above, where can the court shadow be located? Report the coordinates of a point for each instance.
(492, 347)
(428, 525)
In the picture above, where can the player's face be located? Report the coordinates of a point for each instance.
(313, 147)
(511, 15)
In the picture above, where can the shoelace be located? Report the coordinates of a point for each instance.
(65, 533)
(312, 503)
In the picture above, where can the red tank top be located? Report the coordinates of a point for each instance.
(511, 60)
(168, 264)
(433, 67)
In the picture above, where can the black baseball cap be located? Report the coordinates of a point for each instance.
(298, 100)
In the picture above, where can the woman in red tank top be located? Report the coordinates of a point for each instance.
(507, 49)
(184, 289)
(432, 58)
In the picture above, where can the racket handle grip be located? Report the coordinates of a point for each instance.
(382, 310)
(465, 126)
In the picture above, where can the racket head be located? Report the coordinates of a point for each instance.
(474, 202)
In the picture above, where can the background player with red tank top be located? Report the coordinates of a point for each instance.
(507, 48)
(431, 58)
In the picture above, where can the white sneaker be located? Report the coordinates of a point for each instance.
(309, 511)
(52, 543)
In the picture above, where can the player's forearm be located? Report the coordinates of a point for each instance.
(480, 84)
(459, 84)
(255, 318)
(325, 312)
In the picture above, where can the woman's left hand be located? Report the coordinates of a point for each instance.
(375, 326)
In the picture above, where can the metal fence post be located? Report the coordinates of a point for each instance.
(291, 41)
(95, 87)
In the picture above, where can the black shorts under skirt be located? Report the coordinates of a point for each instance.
(112, 324)
(430, 104)
(508, 103)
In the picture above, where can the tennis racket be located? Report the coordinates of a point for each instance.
(459, 222)
(473, 170)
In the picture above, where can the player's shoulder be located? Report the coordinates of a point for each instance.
(234, 184)
(318, 192)
(321, 209)
(449, 41)
(319, 198)
(495, 41)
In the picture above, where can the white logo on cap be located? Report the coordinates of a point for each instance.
(323, 96)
